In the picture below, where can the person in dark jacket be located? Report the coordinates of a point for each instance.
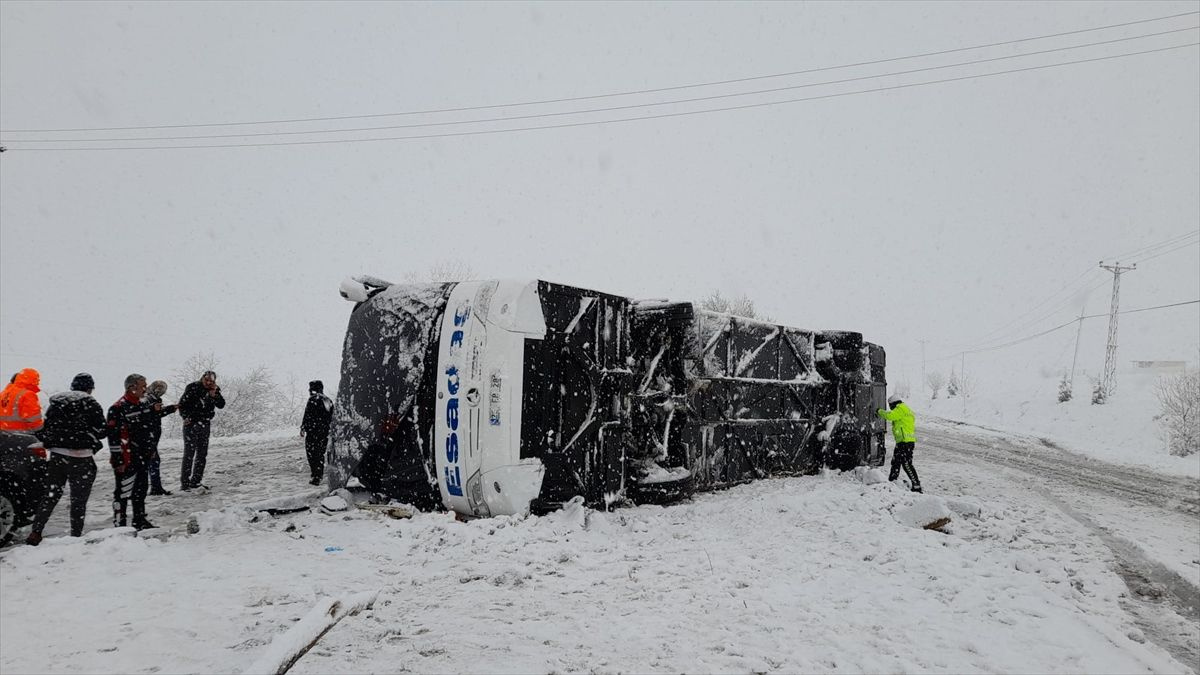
(130, 444)
(197, 407)
(74, 425)
(315, 429)
(154, 394)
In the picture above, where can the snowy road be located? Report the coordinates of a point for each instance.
(783, 575)
(1148, 521)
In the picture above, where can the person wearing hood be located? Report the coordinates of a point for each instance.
(20, 409)
(74, 426)
(904, 430)
(130, 444)
(314, 428)
(154, 395)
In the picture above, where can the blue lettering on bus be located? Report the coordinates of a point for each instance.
(463, 313)
(453, 472)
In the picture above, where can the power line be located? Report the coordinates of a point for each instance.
(633, 106)
(1002, 329)
(1027, 338)
(1170, 250)
(1149, 247)
(613, 94)
(618, 120)
(1017, 328)
(1016, 324)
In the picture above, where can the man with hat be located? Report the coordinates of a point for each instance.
(315, 429)
(154, 397)
(904, 430)
(72, 431)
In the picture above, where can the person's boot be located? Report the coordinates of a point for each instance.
(160, 491)
(34, 538)
(917, 488)
(142, 523)
(119, 513)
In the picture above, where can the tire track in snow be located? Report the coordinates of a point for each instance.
(1151, 584)
(1177, 493)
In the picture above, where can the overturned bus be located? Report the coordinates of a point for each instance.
(504, 397)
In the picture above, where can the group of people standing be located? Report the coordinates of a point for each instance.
(74, 429)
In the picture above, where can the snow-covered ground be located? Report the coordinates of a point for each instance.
(241, 469)
(1122, 431)
(782, 575)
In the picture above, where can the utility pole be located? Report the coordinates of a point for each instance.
(1078, 332)
(962, 382)
(924, 376)
(1108, 379)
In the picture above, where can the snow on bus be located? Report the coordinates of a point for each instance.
(503, 397)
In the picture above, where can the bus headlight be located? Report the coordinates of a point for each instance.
(475, 496)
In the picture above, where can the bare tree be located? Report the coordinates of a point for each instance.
(253, 402)
(191, 370)
(740, 305)
(967, 384)
(934, 381)
(1179, 397)
(443, 270)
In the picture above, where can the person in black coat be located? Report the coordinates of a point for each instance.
(197, 407)
(74, 425)
(154, 394)
(315, 429)
(130, 444)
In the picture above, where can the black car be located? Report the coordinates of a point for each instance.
(23, 481)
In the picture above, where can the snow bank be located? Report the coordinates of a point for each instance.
(1123, 430)
(784, 575)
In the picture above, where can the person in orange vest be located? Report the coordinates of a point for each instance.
(20, 409)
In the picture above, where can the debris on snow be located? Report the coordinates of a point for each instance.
(926, 512)
(285, 650)
(396, 511)
(334, 504)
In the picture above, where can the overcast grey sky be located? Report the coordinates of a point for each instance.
(935, 212)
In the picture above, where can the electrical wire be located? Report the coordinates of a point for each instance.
(1012, 327)
(1145, 249)
(1030, 323)
(1073, 285)
(1170, 250)
(586, 111)
(1058, 327)
(613, 121)
(613, 94)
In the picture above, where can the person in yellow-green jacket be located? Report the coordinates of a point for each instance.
(904, 430)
